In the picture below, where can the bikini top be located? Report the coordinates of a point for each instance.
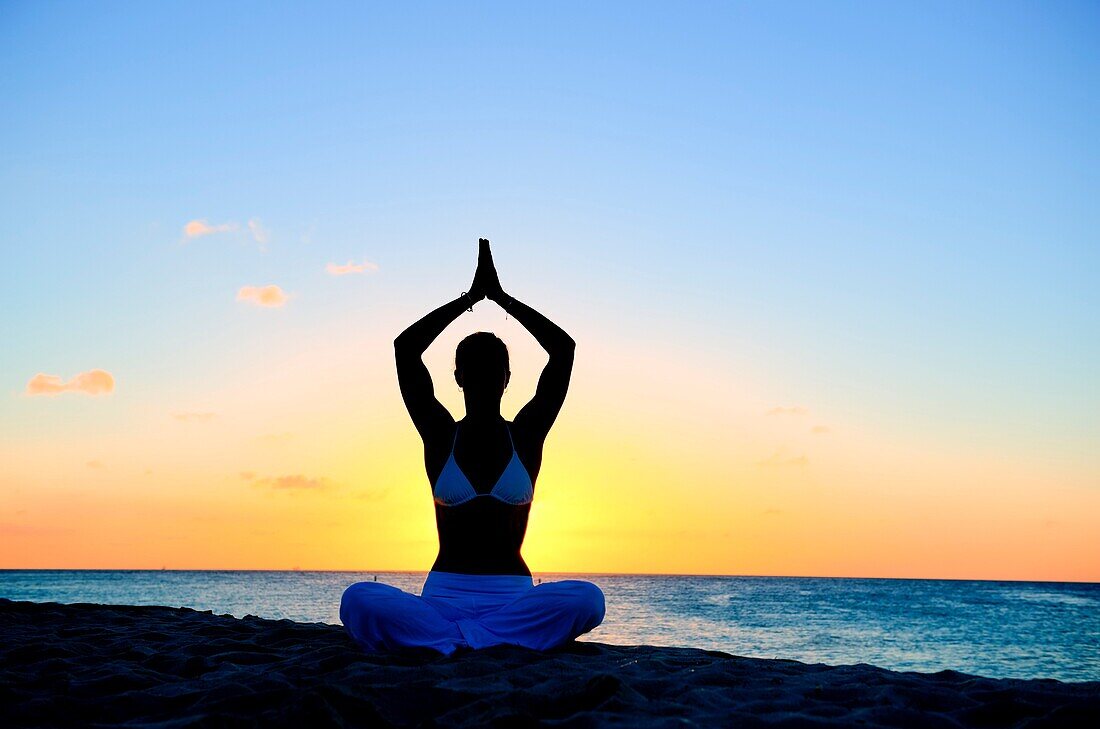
(513, 487)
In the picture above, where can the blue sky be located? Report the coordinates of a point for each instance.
(887, 208)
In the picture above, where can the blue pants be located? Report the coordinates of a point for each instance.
(474, 611)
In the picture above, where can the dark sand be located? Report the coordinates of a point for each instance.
(106, 665)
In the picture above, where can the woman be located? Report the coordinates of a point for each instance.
(482, 470)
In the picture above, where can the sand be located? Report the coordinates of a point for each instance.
(107, 665)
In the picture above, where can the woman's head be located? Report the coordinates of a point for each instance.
(481, 364)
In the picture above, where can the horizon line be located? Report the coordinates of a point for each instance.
(555, 572)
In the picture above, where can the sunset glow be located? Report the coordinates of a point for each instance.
(852, 332)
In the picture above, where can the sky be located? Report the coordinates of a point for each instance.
(831, 270)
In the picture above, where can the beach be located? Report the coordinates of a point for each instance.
(85, 664)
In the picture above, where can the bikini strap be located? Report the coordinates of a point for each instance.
(509, 429)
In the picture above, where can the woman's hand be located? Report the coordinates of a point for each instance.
(477, 287)
(486, 283)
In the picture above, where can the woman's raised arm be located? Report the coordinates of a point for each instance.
(428, 414)
(539, 414)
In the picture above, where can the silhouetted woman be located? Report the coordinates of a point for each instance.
(482, 470)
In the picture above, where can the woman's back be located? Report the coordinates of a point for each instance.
(483, 468)
(482, 472)
(482, 492)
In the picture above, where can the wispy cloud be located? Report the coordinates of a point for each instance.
(293, 482)
(787, 411)
(336, 269)
(98, 465)
(194, 417)
(92, 382)
(199, 228)
(263, 295)
(779, 459)
(260, 234)
(819, 429)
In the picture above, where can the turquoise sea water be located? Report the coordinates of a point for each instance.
(998, 629)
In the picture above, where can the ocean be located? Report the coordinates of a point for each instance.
(996, 629)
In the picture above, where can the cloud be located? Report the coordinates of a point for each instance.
(294, 482)
(194, 417)
(199, 228)
(95, 464)
(787, 411)
(275, 438)
(92, 382)
(336, 269)
(771, 512)
(819, 429)
(263, 295)
(779, 460)
(260, 234)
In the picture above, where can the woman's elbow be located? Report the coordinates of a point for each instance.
(402, 345)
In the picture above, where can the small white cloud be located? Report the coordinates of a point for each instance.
(260, 234)
(336, 269)
(199, 228)
(92, 382)
(269, 296)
